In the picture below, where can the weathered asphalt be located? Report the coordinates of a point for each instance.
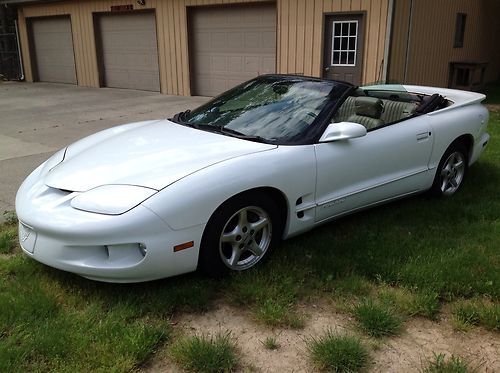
(37, 119)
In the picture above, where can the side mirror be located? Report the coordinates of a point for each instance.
(342, 131)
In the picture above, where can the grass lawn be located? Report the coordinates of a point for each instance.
(400, 260)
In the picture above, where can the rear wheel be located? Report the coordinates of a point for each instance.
(240, 234)
(451, 171)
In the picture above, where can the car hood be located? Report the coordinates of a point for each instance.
(150, 154)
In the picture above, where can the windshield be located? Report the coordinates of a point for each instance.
(276, 109)
(395, 92)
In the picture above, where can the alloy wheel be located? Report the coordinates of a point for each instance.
(452, 173)
(245, 238)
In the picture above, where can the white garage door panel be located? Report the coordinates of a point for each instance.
(129, 51)
(231, 45)
(53, 45)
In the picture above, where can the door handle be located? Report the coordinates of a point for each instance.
(327, 69)
(422, 136)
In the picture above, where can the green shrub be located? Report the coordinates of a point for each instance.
(271, 343)
(337, 353)
(377, 320)
(205, 354)
(442, 365)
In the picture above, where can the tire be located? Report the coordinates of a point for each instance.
(240, 234)
(451, 171)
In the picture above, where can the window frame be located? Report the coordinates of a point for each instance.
(341, 50)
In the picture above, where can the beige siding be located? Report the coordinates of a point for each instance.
(432, 36)
(299, 35)
(399, 42)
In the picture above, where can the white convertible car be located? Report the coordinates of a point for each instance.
(217, 187)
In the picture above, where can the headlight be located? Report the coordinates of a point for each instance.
(111, 199)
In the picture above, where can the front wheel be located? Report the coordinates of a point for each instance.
(451, 171)
(240, 234)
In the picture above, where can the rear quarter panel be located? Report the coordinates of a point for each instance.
(450, 123)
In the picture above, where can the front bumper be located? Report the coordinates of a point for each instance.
(132, 247)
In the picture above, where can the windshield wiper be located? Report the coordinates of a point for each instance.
(227, 131)
(241, 135)
(179, 118)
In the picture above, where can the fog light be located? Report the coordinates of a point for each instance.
(125, 254)
(142, 249)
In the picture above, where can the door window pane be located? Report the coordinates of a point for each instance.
(350, 59)
(336, 44)
(336, 58)
(345, 28)
(343, 58)
(337, 28)
(354, 28)
(352, 43)
(344, 43)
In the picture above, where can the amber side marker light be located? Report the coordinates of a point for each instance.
(183, 246)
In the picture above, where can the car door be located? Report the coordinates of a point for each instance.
(388, 162)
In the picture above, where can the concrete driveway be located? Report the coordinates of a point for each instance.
(37, 119)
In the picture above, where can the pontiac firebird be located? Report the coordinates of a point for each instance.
(216, 188)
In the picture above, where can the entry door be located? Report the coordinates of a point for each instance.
(388, 162)
(343, 49)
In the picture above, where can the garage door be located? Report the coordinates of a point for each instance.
(53, 47)
(129, 53)
(230, 45)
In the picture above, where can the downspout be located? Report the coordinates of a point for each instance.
(388, 39)
(410, 24)
(19, 52)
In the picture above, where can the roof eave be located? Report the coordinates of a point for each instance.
(19, 2)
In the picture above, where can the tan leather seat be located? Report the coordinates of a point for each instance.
(394, 111)
(345, 110)
(367, 112)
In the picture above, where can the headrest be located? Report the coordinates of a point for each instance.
(369, 107)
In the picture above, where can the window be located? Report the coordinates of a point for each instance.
(463, 77)
(344, 43)
(460, 30)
